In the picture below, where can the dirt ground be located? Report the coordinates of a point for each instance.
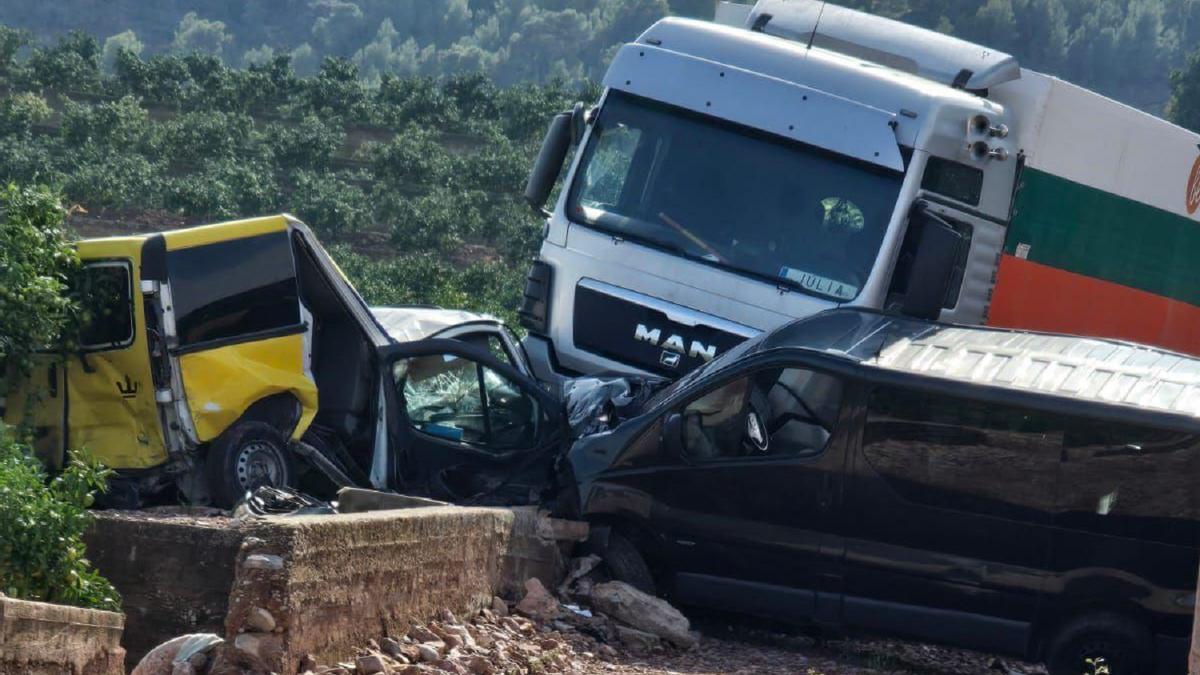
(736, 650)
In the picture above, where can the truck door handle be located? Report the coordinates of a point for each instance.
(52, 380)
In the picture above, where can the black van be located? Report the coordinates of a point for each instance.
(1019, 493)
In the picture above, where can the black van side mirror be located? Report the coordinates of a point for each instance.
(565, 129)
(932, 266)
(672, 435)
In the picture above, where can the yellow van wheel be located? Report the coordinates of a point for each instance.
(246, 456)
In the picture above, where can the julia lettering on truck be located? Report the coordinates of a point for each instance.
(797, 156)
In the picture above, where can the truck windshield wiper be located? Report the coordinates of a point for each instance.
(693, 238)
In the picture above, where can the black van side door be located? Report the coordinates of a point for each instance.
(747, 507)
(948, 518)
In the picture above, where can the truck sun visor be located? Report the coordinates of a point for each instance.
(795, 111)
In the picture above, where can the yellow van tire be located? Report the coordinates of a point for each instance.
(245, 456)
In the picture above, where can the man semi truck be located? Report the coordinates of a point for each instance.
(795, 156)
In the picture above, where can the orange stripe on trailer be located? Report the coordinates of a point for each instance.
(1032, 296)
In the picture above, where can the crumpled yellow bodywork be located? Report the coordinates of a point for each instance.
(222, 383)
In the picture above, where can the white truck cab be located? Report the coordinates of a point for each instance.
(734, 178)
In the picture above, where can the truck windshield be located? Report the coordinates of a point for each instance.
(733, 197)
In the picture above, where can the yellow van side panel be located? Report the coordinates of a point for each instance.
(121, 431)
(222, 383)
(235, 229)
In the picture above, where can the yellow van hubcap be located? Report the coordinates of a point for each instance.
(259, 463)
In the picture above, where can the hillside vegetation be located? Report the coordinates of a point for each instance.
(414, 183)
(411, 170)
(1123, 48)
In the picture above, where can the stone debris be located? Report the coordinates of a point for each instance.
(259, 620)
(643, 612)
(538, 603)
(625, 631)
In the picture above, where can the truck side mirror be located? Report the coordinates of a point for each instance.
(550, 160)
(932, 266)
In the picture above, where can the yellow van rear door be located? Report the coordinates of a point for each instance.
(110, 392)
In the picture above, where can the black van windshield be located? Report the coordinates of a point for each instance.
(733, 197)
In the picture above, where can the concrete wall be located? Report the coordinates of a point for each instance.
(328, 583)
(37, 638)
(331, 583)
(173, 573)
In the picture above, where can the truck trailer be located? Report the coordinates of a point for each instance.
(795, 156)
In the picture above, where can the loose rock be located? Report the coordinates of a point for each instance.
(428, 652)
(259, 620)
(499, 606)
(371, 664)
(538, 603)
(644, 612)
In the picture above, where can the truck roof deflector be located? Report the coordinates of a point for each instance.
(920, 51)
(773, 105)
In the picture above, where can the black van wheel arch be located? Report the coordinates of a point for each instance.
(245, 456)
(1123, 643)
(627, 564)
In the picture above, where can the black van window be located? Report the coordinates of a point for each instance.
(105, 291)
(1129, 481)
(233, 288)
(773, 412)
(962, 454)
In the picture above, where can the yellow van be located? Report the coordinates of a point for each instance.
(212, 350)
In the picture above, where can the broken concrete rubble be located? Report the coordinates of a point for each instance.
(643, 612)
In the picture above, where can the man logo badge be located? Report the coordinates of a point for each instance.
(670, 359)
(674, 343)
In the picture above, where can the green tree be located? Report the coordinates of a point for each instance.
(36, 265)
(114, 44)
(20, 112)
(11, 41)
(1184, 108)
(196, 34)
(332, 206)
(72, 64)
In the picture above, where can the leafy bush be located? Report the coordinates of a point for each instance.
(36, 264)
(18, 113)
(330, 205)
(41, 529)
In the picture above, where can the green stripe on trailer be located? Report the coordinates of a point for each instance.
(1079, 229)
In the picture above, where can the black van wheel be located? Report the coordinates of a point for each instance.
(626, 564)
(1101, 644)
(246, 456)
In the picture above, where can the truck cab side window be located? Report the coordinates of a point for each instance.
(105, 291)
(777, 412)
